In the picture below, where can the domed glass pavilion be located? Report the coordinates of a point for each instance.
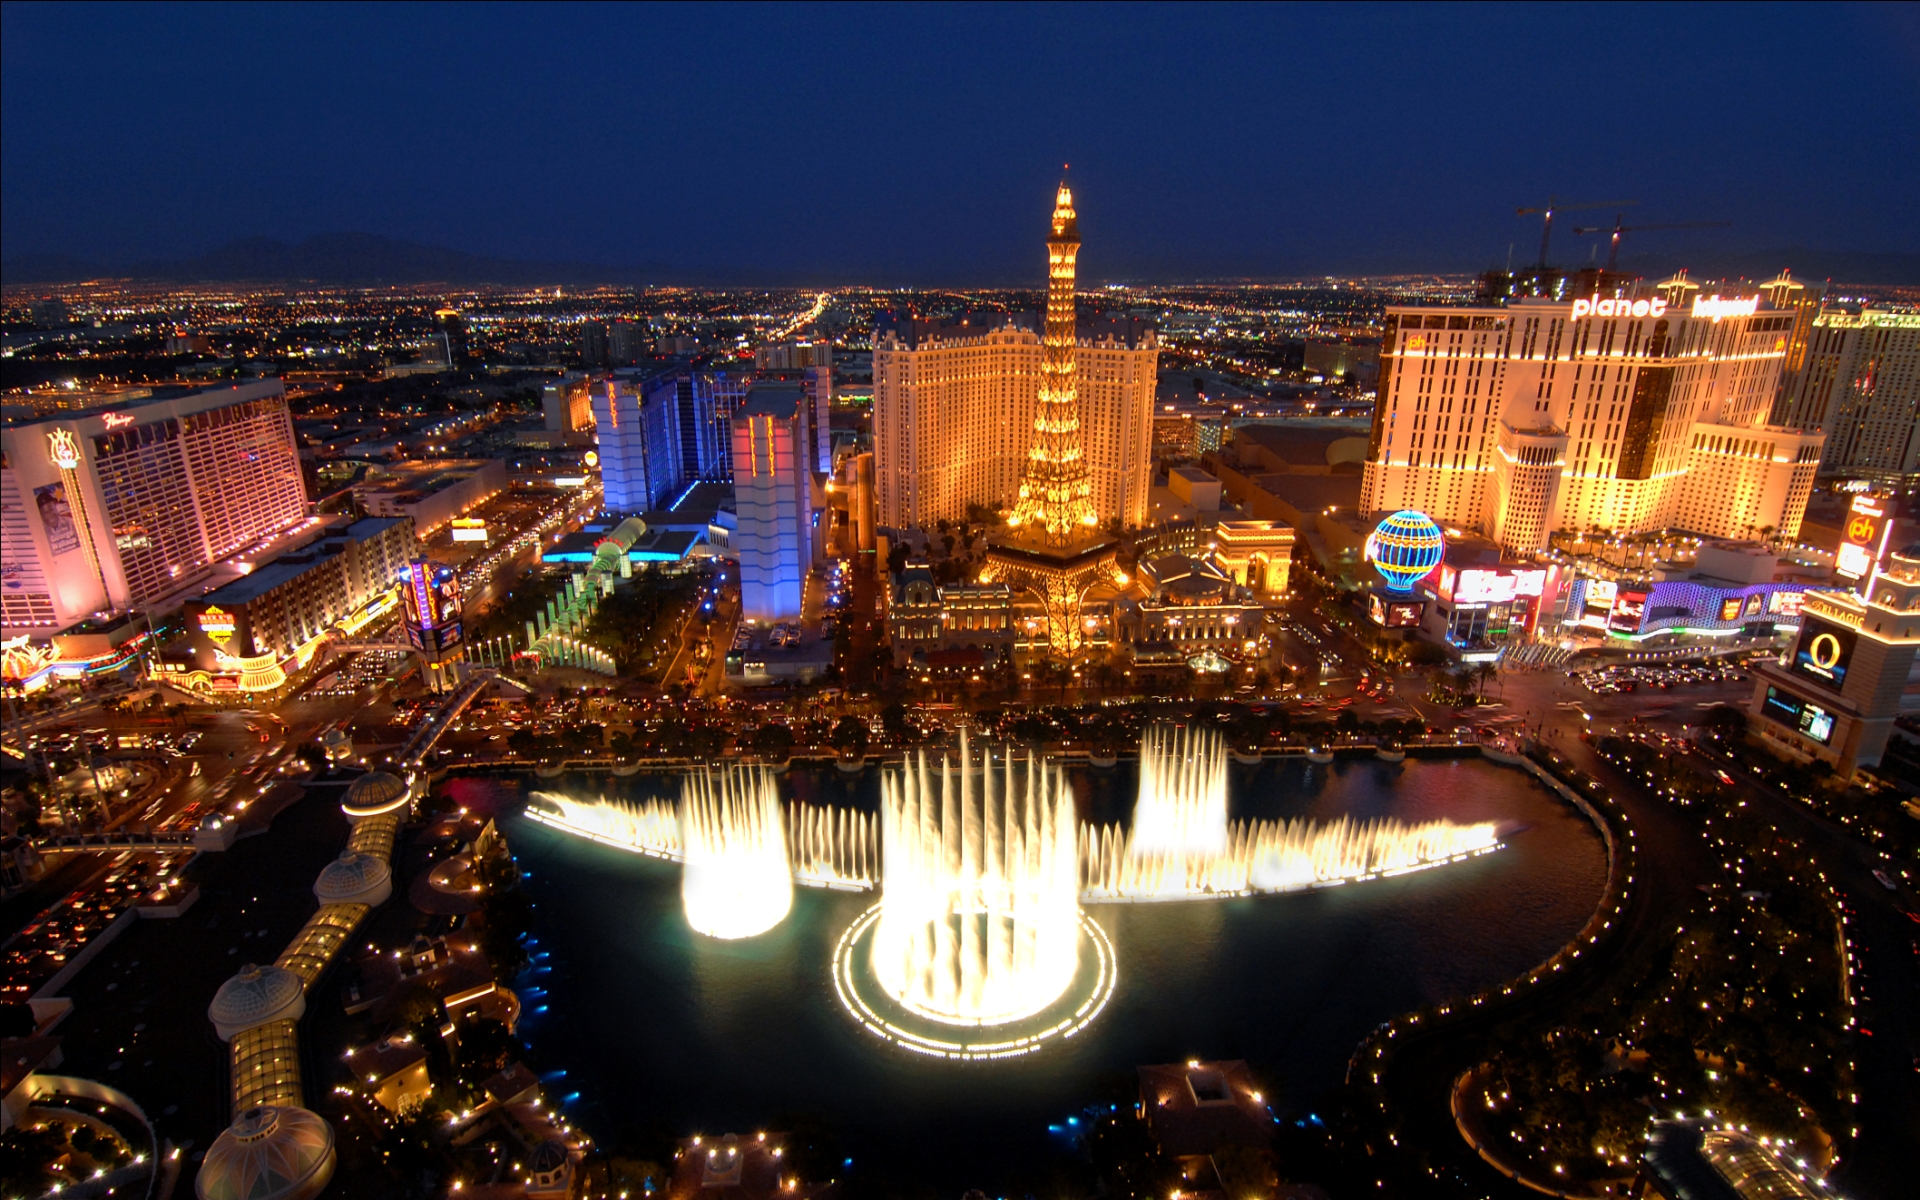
(375, 793)
(354, 878)
(254, 997)
(268, 1153)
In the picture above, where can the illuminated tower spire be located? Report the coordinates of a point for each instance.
(1056, 494)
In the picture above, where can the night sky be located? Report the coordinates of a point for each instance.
(895, 143)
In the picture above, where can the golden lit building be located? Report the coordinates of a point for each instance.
(1255, 554)
(956, 627)
(1639, 412)
(1787, 294)
(567, 404)
(1054, 547)
(952, 410)
(1184, 606)
(955, 405)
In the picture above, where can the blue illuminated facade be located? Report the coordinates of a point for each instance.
(637, 420)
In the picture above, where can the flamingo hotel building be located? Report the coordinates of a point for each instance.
(1643, 411)
(124, 507)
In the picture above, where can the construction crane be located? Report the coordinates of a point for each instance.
(1613, 255)
(1546, 227)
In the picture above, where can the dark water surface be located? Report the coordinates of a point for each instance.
(660, 1029)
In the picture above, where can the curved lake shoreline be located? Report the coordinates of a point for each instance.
(661, 1030)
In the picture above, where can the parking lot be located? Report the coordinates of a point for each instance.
(1623, 677)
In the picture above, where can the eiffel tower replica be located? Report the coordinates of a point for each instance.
(1053, 546)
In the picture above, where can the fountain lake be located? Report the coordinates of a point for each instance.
(663, 1031)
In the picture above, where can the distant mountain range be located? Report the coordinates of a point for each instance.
(369, 260)
(338, 259)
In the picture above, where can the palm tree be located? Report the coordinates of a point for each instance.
(1460, 680)
(1483, 674)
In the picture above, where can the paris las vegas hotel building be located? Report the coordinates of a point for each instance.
(953, 409)
(1645, 411)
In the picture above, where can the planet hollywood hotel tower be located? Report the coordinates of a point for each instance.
(1642, 411)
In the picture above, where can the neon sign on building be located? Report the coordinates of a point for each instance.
(1594, 306)
(1716, 308)
(217, 624)
(64, 448)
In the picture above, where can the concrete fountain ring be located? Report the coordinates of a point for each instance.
(885, 1017)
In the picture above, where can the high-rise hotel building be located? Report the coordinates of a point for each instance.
(1648, 411)
(953, 411)
(123, 506)
(773, 493)
(659, 430)
(1860, 385)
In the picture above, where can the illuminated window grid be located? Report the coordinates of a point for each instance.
(149, 508)
(285, 617)
(1582, 379)
(26, 608)
(374, 835)
(30, 603)
(266, 1067)
(953, 416)
(320, 939)
(246, 472)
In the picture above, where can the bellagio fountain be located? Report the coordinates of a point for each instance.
(978, 945)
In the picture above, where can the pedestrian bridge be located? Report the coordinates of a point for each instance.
(118, 839)
(441, 719)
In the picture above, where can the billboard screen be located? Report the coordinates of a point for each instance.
(1799, 714)
(1703, 607)
(1477, 586)
(1394, 614)
(469, 529)
(1402, 614)
(1824, 652)
(1852, 563)
(1629, 609)
(56, 518)
(421, 607)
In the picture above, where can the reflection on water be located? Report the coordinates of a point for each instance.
(659, 1028)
